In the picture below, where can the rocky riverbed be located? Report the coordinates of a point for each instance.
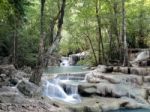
(105, 89)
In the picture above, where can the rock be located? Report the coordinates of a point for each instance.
(147, 79)
(101, 69)
(92, 68)
(103, 104)
(29, 89)
(13, 82)
(112, 90)
(10, 95)
(26, 69)
(142, 56)
(91, 77)
(30, 106)
(116, 69)
(20, 75)
(7, 73)
(133, 70)
(9, 76)
(87, 89)
(114, 78)
(140, 71)
(9, 70)
(125, 70)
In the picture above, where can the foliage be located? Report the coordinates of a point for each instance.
(80, 25)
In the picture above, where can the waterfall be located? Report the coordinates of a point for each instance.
(62, 89)
(64, 61)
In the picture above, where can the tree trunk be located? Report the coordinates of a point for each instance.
(91, 44)
(15, 42)
(115, 8)
(14, 48)
(100, 39)
(52, 25)
(141, 27)
(54, 41)
(57, 38)
(36, 77)
(125, 63)
(110, 41)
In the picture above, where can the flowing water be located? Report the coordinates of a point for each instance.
(63, 88)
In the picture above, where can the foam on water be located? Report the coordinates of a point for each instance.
(62, 89)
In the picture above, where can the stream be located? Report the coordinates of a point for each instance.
(64, 86)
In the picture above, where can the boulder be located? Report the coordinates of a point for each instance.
(7, 74)
(26, 69)
(10, 95)
(87, 89)
(112, 90)
(104, 69)
(114, 78)
(29, 89)
(140, 71)
(20, 75)
(147, 79)
(9, 70)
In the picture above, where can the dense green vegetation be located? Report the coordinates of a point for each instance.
(97, 26)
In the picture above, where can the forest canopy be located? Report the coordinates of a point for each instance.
(97, 26)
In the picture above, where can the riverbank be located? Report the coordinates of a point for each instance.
(103, 89)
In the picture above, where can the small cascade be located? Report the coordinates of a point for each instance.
(62, 89)
(64, 61)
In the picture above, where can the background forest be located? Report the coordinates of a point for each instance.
(98, 26)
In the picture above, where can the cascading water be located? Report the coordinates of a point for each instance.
(64, 61)
(62, 89)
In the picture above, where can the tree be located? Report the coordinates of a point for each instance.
(55, 39)
(125, 63)
(36, 76)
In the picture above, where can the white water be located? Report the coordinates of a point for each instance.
(65, 61)
(141, 56)
(62, 89)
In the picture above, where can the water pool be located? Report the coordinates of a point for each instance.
(65, 69)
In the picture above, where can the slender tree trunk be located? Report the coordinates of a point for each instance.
(115, 8)
(87, 37)
(15, 42)
(125, 63)
(52, 25)
(14, 48)
(100, 39)
(92, 47)
(110, 42)
(57, 38)
(54, 41)
(36, 77)
(141, 27)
